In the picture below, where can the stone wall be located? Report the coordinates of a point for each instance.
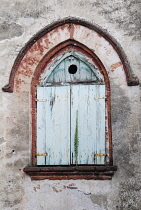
(19, 21)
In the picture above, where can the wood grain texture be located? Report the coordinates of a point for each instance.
(58, 112)
(91, 123)
(53, 135)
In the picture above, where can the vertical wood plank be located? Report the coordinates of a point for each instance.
(100, 124)
(81, 101)
(53, 124)
(91, 123)
(56, 124)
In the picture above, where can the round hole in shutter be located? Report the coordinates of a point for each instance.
(72, 69)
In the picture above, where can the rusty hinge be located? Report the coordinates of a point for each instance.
(41, 100)
(41, 154)
(96, 98)
(100, 155)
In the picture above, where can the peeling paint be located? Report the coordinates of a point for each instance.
(56, 190)
(36, 188)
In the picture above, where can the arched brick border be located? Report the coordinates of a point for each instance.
(131, 79)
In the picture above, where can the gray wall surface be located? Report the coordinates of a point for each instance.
(19, 21)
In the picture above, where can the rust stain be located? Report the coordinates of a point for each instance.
(88, 34)
(115, 65)
(36, 188)
(55, 190)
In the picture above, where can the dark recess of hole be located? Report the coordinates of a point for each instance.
(72, 69)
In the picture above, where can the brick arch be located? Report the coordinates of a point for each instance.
(90, 35)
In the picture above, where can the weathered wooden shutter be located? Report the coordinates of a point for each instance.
(71, 114)
(71, 125)
(88, 124)
(53, 125)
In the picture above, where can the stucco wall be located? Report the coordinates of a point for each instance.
(19, 21)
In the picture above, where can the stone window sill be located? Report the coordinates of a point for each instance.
(70, 172)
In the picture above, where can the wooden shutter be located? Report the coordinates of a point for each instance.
(53, 125)
(87, 124)
(71, 125)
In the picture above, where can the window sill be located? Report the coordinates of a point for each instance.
(71, 172)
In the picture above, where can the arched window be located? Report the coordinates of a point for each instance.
(71, 108)
(71, 112)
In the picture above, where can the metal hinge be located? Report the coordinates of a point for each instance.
(96, 98)
(41, 100)
(100, 155)
(41, 154)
